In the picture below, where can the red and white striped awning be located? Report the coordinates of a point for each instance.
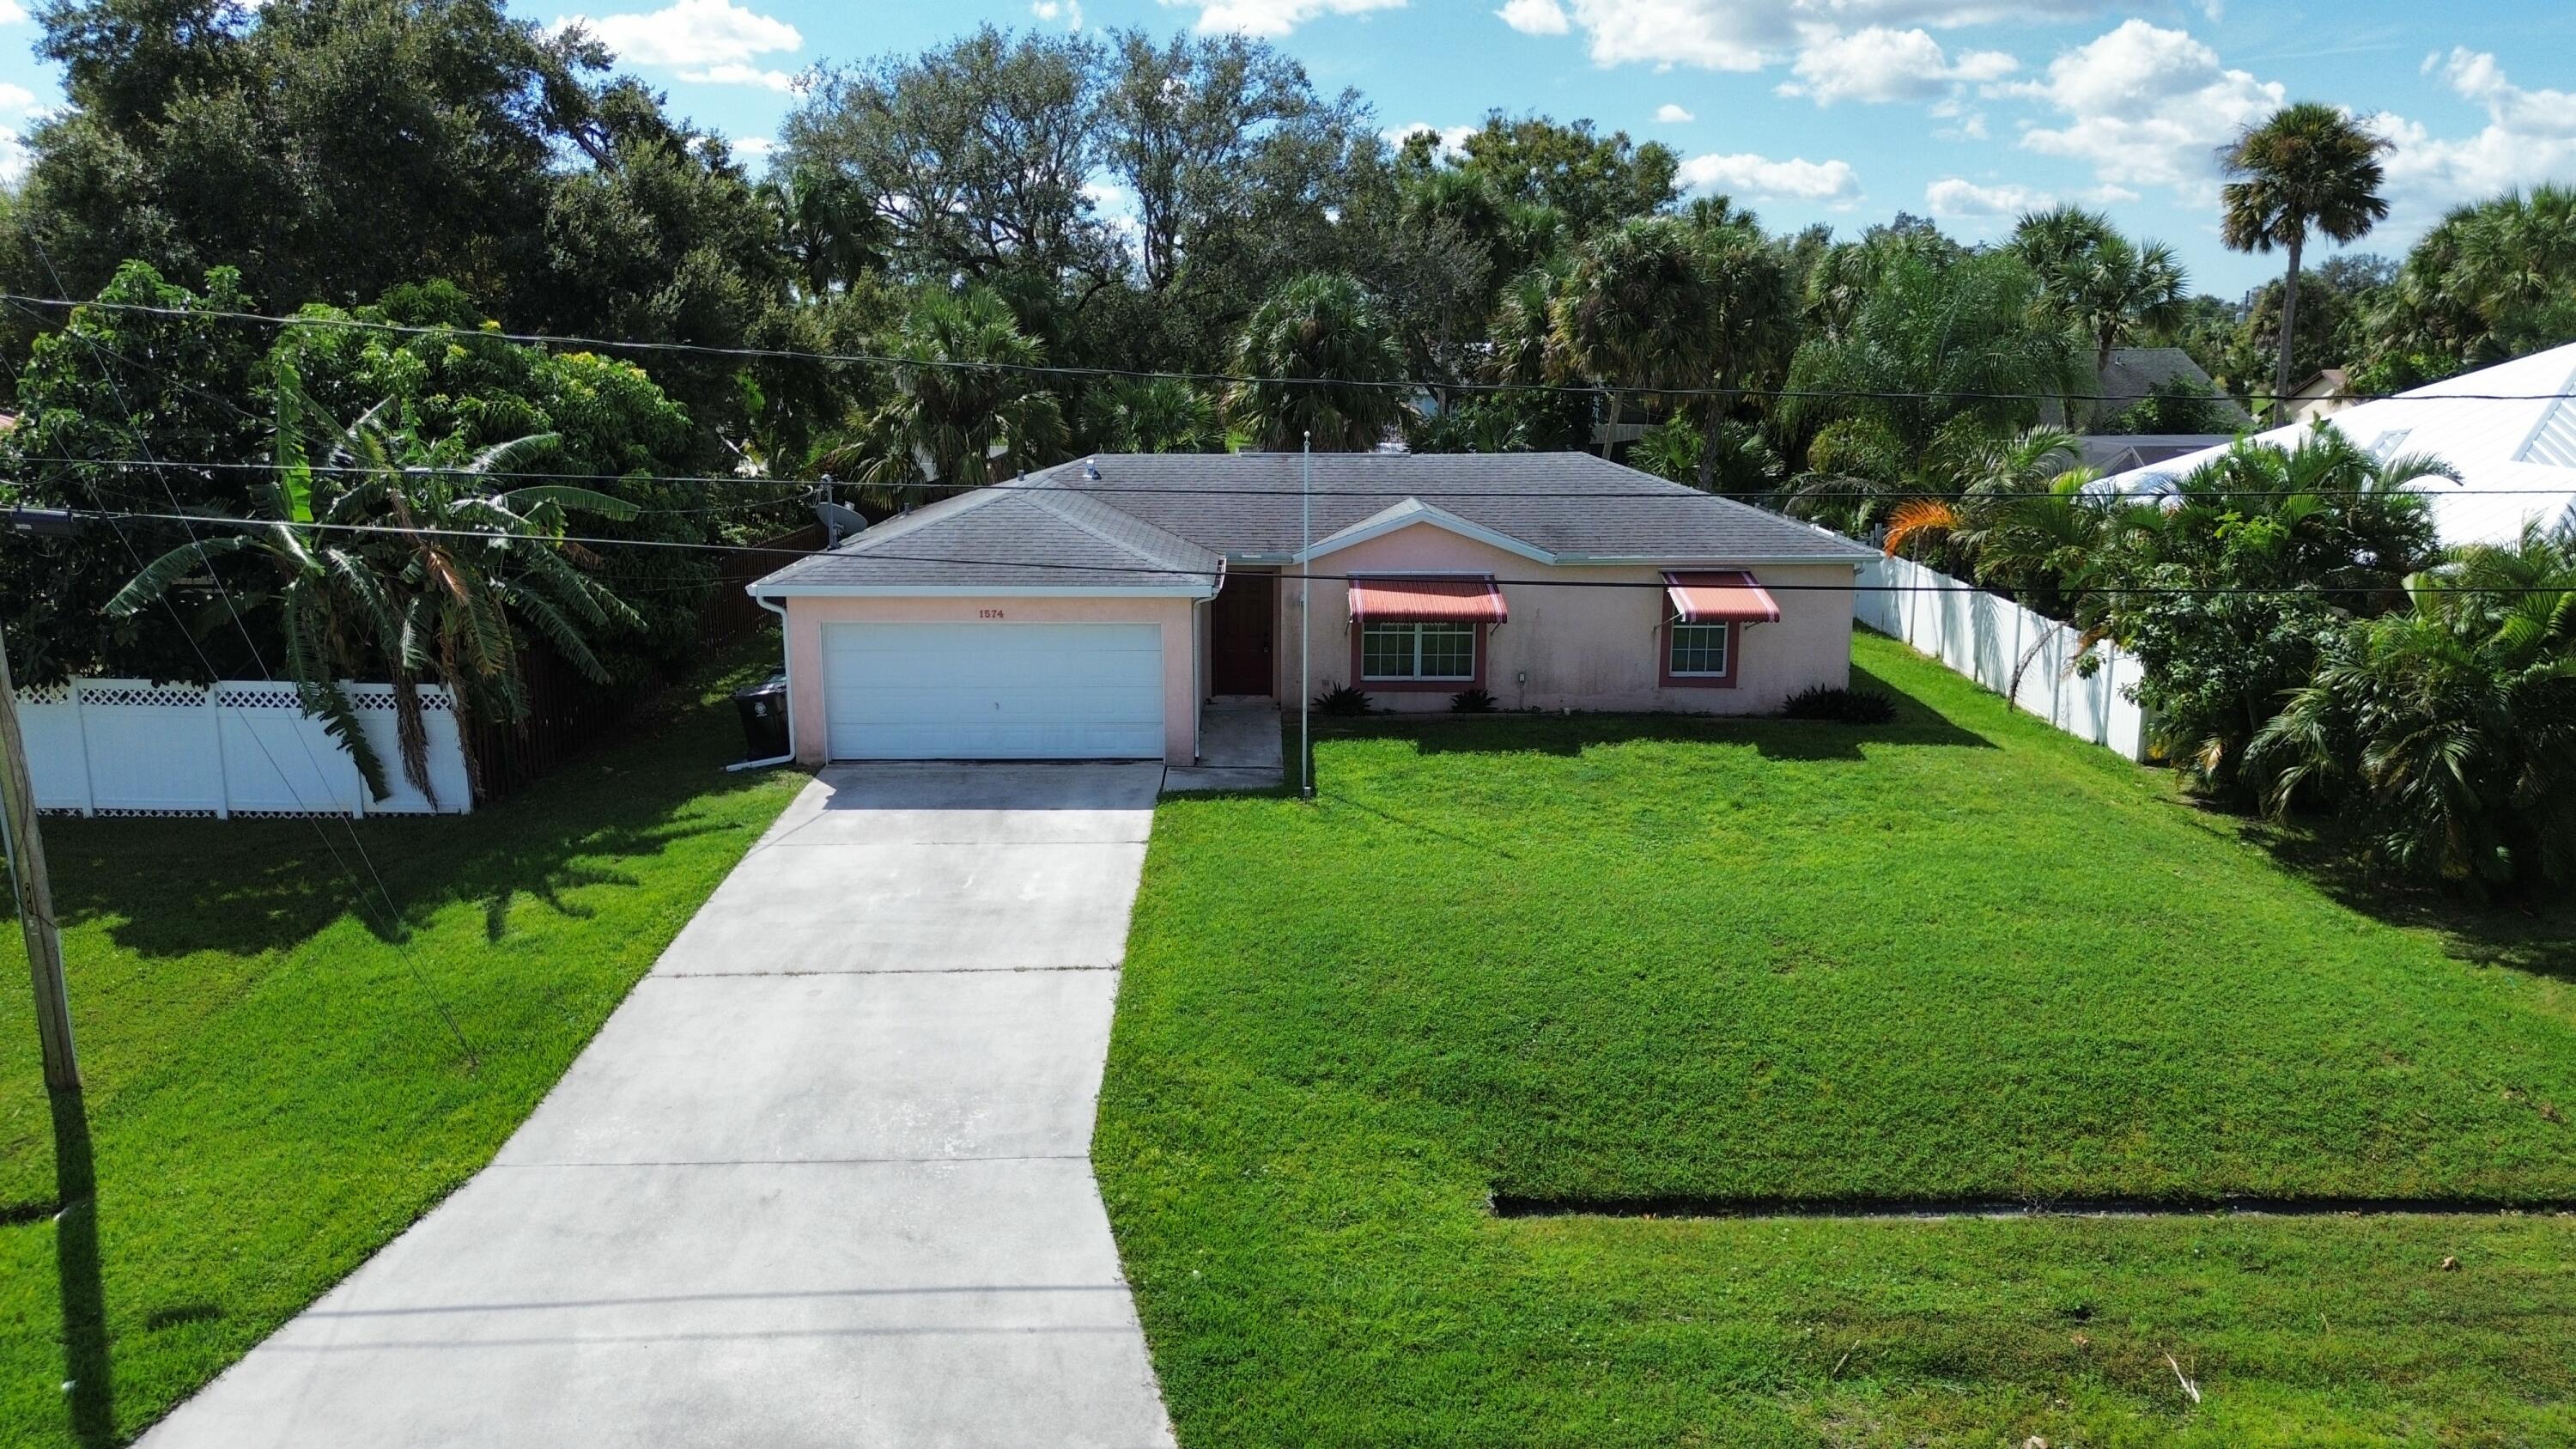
(1722, 597)
(1427, 601)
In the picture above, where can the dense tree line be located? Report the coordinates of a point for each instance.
(957, 262)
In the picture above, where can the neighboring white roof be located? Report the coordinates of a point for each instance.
(2510, 429)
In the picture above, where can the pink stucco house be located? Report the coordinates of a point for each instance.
(1089, 610)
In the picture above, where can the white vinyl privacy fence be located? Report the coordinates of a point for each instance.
(1992, 640)
(133, 747)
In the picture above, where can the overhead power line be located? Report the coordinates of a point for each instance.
(2435, 485)
(1228, 379)
(883, 556)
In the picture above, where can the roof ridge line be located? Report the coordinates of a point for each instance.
(1037, 495)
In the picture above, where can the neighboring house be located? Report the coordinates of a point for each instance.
(2322, 396)
(2108, 453)
(1087, 610)
(2133, 374)
(2509, 429)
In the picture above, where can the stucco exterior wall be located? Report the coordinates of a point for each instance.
(1580, 648)
(807, 616)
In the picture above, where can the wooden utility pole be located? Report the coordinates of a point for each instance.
(35, 894)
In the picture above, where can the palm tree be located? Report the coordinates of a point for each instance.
(968, 407)
(1151, 415)
(1640, 309)
(2120, 290)
(2048, 241)
(2447, 729)
(397, 557)
(1930, 342)
(2309, 166)
(826, 225)
(2489, 282)
(1318, 361)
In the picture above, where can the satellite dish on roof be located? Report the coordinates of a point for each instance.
(838, 523)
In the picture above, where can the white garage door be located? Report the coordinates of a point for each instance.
(993, 691)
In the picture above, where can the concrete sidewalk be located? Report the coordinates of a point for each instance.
(823, 1178)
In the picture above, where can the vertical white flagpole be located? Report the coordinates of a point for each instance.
(1305, 615)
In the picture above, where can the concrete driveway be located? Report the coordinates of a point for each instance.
(823, 1179)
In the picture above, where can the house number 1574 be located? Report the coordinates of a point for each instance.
(988, 613)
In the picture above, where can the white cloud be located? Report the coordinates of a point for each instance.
(736, 74)
(1743, 35)
(11, 12)
(752, 148)
(1068, 11)
(1956, 196)
(2144, 106)
(1534, 17)
(2530, 137)
(1762, 178)
(1672, 115)
(1275, 17)
(1453, 139)
(16, 97)
(1879, 64)
(708, 34)
(14, 159)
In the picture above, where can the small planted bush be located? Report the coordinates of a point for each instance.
(1471, 701)
(1344, 699)
(1842, 706)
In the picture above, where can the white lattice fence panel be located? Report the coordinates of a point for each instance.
(277, 761)
(152, 747)
(134, 747)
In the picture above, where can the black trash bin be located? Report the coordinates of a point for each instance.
(764, 718)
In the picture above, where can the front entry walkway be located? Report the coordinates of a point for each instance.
(1239, 748)
(823, 1179)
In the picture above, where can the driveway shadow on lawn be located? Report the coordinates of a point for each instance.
(175, 887)
(1916, 723)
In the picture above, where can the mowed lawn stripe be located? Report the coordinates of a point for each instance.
(1960, 955)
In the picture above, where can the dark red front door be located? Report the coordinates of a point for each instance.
(1239, 628)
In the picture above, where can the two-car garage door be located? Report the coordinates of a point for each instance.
(995, 691)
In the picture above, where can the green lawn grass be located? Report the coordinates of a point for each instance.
(1956, 955)
(274, 1090)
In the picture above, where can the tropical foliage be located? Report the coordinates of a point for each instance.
(2445, 731)
(2227, 590)
(388, 555)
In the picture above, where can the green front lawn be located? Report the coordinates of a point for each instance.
(274, 1087)
(1959, 955)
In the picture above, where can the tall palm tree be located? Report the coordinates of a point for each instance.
(397, 557)
(2307, 167)
(1321, 362)
(1640, 309)
(967, 409)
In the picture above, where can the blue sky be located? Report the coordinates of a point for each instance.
(1841, 111)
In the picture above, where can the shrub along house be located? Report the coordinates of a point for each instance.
(1087, 610)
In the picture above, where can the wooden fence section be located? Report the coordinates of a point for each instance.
(2029, 658)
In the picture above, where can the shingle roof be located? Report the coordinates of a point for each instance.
(1166, 518)
(1009, 536)
(1247, 505)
